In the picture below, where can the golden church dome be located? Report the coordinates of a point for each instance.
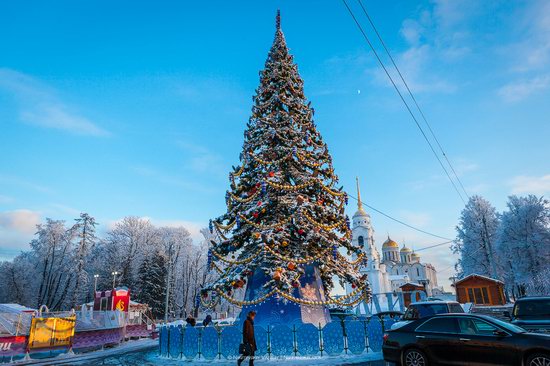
(389, 244)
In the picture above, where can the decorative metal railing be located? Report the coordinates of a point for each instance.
(305, 340)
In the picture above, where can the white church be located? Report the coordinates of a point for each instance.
(396, 267)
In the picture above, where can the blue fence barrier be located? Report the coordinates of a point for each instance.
(335, 338)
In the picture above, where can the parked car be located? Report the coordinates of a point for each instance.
(465, 339)
(532, 314)
(422, 309)
(392, 314)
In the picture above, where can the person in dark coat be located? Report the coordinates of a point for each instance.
(248, 339)
(191, 321)
(207, 320)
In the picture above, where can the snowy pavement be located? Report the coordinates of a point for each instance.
(145, 353)
(370, 359)
(91, 358)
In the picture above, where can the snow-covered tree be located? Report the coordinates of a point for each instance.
(524, 242)
(18, 283)
(125, 246)
(151, 283)
(284, 206)
(476, 239)
(53, 255)
(84, 230)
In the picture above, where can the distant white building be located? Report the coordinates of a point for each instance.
(396, 266)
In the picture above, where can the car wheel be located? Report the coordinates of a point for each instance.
(538, 359)
(414, 357)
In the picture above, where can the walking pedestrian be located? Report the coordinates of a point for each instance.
(248, 347)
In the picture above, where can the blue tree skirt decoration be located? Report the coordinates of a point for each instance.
(275, 310)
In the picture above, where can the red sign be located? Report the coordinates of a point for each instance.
(121, 299)
(10, 346)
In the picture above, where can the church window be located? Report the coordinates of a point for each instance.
(417, 271)
(361, 241)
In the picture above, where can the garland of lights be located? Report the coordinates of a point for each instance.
(246, 303)
(264, 227)
(305, 260)
(243, 200)
(239, 172)
(289, 297)
(355, 262)
(334, 193)
(290, 187)
(323, 226)
(242, 261)
(224, 227)
(266, 162)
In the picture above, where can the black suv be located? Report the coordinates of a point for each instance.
(532, 314)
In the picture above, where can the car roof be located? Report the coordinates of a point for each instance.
(527, 298)
(462, 315)
(438, 302)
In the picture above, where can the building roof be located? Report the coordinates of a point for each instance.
(411, 284)
(474, 275)
(405, 249)
(390, 244)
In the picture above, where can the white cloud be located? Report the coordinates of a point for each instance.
(533, 51)
(21, 182)
(521, 89)
(6, 199)
(22, 221)
(40, 105)
(531, 185)
(201, 159)
(17, 228)
(168, 179)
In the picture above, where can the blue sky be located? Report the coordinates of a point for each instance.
(138, 108)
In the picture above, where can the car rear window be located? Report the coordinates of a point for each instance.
(439, 325)
(419, 311)
(455, 308)
(532, 308)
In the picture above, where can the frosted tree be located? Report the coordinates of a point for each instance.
(53, 254)
(125, 246)
(284, 207)
(524, 241)
(175, 244)
(476, 239)
(151, 283)
(84, 230)
(18, 283)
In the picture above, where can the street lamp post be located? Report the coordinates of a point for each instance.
(96, 276)
(115, 273)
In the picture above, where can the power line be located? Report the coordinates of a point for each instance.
(403, 100)
(467, 255)
(434, 246)
(412, 96)
(401, 222)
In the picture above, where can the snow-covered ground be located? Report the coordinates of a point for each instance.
(90, 358)
(364, 359)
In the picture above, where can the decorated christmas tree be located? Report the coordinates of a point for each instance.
(285, 231)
